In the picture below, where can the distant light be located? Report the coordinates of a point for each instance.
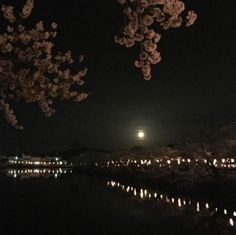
(198, 206)
(231, 222)
(141, 134)
(179, 202)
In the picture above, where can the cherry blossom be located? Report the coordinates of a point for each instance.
(31, 70)
(142, 17)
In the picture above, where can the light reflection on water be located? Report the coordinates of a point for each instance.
(204, 207)
(26, 173)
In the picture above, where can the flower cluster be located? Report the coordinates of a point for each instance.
(141, 17)
(31, 70)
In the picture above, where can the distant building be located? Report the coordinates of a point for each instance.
(30, 160)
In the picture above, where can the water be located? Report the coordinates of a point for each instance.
(66, 203)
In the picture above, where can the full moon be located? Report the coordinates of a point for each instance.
(141, 134)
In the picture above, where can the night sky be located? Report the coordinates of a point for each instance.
(193, 86)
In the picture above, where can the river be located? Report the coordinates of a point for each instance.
(59, 203)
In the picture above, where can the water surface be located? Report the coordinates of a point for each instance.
(81, 204)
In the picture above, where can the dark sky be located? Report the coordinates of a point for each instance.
(194, 85)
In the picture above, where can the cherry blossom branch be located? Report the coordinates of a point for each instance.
(31, 69)
(141, 17)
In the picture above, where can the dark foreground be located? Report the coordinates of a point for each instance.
(82, 204)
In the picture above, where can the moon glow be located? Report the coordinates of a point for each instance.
(141, 134)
